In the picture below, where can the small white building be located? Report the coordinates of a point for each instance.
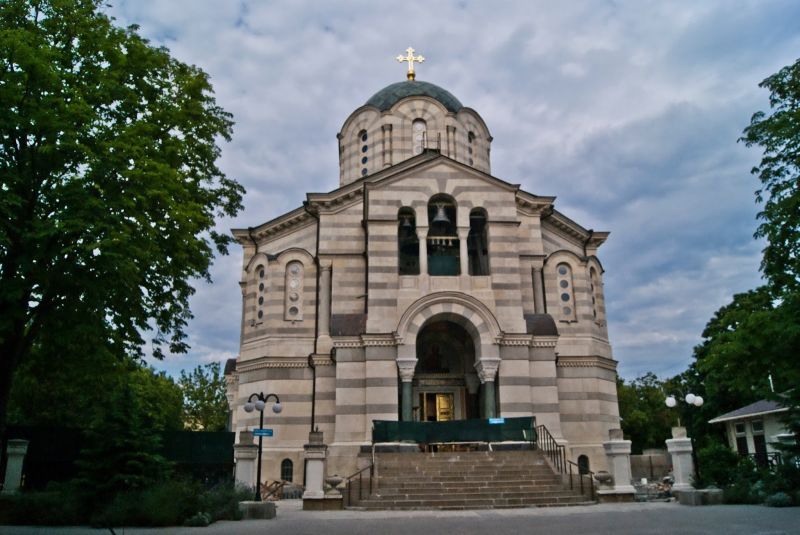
(755, 430)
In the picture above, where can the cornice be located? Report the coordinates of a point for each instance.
(586, 362)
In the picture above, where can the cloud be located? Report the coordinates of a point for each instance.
(627, 111)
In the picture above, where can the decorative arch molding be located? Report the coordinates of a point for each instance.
(256, 260)
(452, 303)
(565, 255)
(294, 253)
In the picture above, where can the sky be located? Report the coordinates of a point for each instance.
(628, 112)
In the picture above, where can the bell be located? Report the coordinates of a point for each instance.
(406, 222)
(440, 217)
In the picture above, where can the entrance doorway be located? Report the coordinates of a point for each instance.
(445, 368)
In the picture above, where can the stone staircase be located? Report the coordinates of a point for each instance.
(469, 480)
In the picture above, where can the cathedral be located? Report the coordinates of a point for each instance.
(423, 288)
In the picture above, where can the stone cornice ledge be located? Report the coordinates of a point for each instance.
(586, 362)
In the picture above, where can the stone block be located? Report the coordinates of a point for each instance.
(252, 510)
(689, 497)
(328, 503)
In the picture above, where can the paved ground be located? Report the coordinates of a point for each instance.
(617, 519)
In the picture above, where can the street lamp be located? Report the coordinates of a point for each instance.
(259, 404)
(690, 399)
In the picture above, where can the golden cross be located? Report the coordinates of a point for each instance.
(410, 58)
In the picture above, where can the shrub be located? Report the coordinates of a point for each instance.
(222, 501)
(168, 503)
(779, 499)
(717, 466)
(60, 504)
(200, 520)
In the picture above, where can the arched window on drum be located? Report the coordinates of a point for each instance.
(566, 293)
(293, 303)
(419, 136)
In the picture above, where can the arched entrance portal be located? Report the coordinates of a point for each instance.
(445, 385)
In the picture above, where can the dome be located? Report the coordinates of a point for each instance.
(392, 94)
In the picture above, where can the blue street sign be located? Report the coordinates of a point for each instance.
(262, 432)
(497, 420)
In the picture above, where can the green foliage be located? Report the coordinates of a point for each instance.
(123, 451)
(646, 421)
(159, 397)
(778, 134)
(717, 464)
(779, 499)
(205, 406)
(108, 150)
(172, 502)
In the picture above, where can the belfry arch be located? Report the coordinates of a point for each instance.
(448, 351)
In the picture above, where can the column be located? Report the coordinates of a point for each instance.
(422, 236)
(245, 453)
(538, 290)
(463, 255)
(487, 371)
(406, 371)
(324, 343)
(680, 449)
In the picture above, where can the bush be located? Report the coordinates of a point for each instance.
(222, 501)
(200, 520)
(717, 466)
(59, 504)
(779, 499)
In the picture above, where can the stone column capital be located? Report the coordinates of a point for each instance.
(325, 265)
(487, 369)
(406, 370)
(422, 233)
(463, 233)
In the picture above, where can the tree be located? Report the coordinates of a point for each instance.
(109, 182)
(646, 421)
(778, 134)
(205, 406)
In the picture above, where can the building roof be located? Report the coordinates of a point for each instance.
(758, 408)
(394, 93)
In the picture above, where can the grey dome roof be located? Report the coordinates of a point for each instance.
(392, 94)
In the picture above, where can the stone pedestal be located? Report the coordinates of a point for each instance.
(618, 453)
(680, 449)
(15, 449)
(245, 454)
(315, 453)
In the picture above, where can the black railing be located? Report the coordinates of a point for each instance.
(769, 460)
(358, 478)
(566, 468)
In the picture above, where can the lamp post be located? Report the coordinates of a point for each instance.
(259, 405)
(690, 399)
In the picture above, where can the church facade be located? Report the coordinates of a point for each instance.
(423, 288)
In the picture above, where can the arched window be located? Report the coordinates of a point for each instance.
(293, 302)
(287, 470)
(407, 243)
(583, 464)
(261, 292)
(477, 243)
(566, 293)
(419, 132)
(594, 282)
(363, 139)
(443, 246)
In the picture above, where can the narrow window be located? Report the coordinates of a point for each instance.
(293, 305)
(443, 245)
(287, 470)
(363, 138)
(261, 291)
(566, 293)
(419, 136)
(477, 243)
(470, 146)
(594, 282)
(407, 242)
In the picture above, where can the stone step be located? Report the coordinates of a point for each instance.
(544, 478)
(432, 496)
(450, 489)
(477, 503)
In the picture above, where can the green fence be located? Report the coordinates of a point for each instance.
(492, 430)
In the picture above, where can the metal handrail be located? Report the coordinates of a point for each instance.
(558, 457)
(360, 474)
